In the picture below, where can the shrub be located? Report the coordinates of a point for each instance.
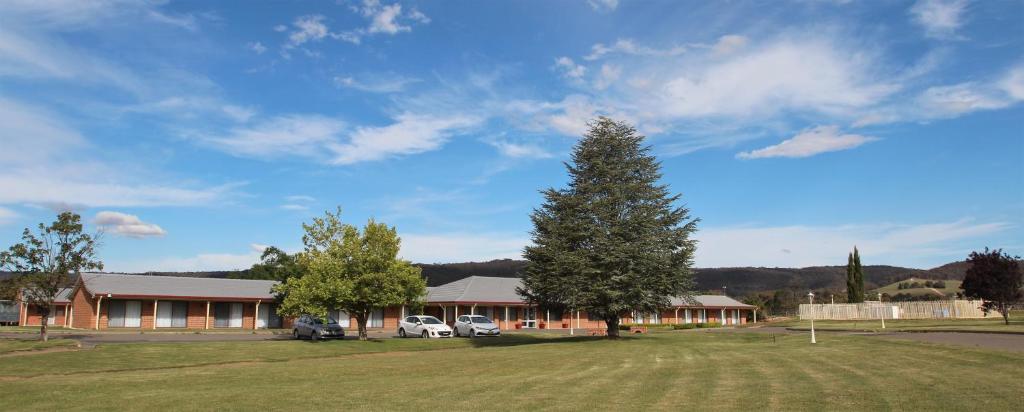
(938, 284)
(685, 326)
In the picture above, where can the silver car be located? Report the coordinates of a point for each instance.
(314, 328)
(475, 325)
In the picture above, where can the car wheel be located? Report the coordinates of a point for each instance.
(295, 334)
(472, 333)
(313, 336)
(401, 333)
(425, 335)
(455, 331)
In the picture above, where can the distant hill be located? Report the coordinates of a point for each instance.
(892, 289)
(737, 281)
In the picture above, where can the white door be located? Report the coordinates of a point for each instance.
(264, 317)
(736, 317)
(342, 318)
(687, 317)
(132, 314)
(235, 317)
(529, 317)
(164, 309)
(52, 318)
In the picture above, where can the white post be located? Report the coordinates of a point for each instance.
(154, 313)
(256, 316)
(472, 309)
(571, 329)
(547, 318)
(444, 313)
(577, 319)
(755, 315)
(882, 313)
(677, 316)
(810, 297)
(506, 317)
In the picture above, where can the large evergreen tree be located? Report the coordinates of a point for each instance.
(614, 240)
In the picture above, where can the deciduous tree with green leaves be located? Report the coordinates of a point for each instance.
(45, 261)
(351, 270)
(996, 278)
(614, 241)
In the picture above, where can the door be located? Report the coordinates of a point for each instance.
(221, 314)
(115, 314)
(164, 312)
(179, 314)
(52, 317)
(686, 316)
(342, 318)
(235, 316)
(736, 317)
(133, 314)
(264, 319)
(529, 317)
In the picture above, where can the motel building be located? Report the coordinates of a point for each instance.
(60, 312)
(114, 301)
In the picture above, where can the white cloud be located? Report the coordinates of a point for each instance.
(42, 57)
(603, 5)
(76, 14)
(519, 150)
(939, 18)
(375, 83)
(409, 134)
(609, 74)
(238, 113)
(729, 43)
(281, 136)
(569, 68)
(630, 47)
(1013, 83)
(384, 20)
(807, 75)
(256, 47)
(461, 247)
(820, 139)
(280, 28)
(308, 28)
(300, 199)
(126, 225)
(958, 99)
(47, 162)
(295, 207)
(7, 216)
(921, 245)
(573, 114)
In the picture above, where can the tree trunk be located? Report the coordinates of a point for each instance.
(43, 324)
(361, 321)
(1005, 311)
(613, 327)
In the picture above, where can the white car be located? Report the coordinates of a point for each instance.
(424, 327)
(475, 325)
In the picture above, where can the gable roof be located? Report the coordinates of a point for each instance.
(124, 286)
(486, 289)
(477, 289)
(63, 296)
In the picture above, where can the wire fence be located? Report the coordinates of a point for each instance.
(941, 309)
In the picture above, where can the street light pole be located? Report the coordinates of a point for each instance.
(883, 309)
(810, 297)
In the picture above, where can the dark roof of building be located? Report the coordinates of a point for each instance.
(176, 287)
(485, 289)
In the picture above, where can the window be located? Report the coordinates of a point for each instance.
(227, 315)
(463, 319)
(376, 319)
(171, 314)
(430, 320)
(124, 314)
(411, 319)
(513, 314)
(555, 315)
(480, 319)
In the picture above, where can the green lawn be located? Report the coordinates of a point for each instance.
(662, 371)
(18, 345)
(994, 323)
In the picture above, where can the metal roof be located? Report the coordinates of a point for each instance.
(176, 287)
(486, 289)
(477, 289)
(63, 295)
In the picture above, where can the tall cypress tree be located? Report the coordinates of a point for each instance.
(851, 280)
(858, 275)
(613, 241)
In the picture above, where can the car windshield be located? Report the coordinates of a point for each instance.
(430, 320)
(479, 319)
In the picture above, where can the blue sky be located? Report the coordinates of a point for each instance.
(195, 133)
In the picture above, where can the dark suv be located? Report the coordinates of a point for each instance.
(314, 328)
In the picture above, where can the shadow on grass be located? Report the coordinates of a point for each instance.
(520, 340)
